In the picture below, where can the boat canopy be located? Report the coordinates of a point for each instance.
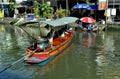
(61, 21)
(56, 24)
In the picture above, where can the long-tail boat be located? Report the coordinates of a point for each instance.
(41, 56)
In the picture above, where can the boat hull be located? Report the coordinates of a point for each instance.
(59, 44)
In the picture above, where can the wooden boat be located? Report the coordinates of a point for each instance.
(58, 45)
(94, 29)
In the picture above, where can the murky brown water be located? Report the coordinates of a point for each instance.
(89, 56)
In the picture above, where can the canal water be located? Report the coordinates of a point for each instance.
(89, 56)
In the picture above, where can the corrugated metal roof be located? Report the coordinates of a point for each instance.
(61, 21)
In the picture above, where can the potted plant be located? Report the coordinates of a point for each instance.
(61, 12)
(46, 11)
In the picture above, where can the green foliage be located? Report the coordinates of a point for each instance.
(46, 10)
(36, 4)
(43, 10)
(61, 13)
(36, 8)
(12, 5)
(36, 11)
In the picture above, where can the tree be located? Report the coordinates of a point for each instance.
(36, 8)
(46, 10)
(43, 10)
(61, 12)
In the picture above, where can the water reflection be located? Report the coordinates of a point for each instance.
(107, 66)
(88, 39)
(90, 56)
(107, 49)
(13, 42)
(50, 66)
(2, 29)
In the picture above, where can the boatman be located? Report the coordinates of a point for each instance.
(89, 27)
(50, 36)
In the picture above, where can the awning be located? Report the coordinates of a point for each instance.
(61, 21)
(80, 6)
(92, 7)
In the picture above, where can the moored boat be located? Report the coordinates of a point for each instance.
(89, 24)
(94, 28)
(48, 51)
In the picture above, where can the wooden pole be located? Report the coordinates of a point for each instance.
(2, 10)
(67, 8)
(106, 12)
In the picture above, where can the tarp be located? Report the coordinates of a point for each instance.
(80, 6)
(92, 7)
(61, 21)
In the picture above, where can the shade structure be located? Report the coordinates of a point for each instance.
(80, 6)
(87, 20)
(61, 21)
(92, 7)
